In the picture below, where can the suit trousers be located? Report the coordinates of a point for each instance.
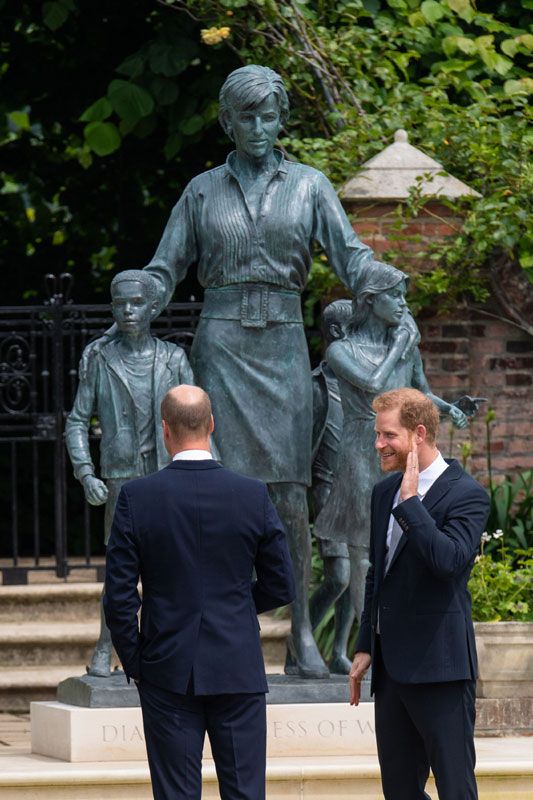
(423, 725)
(174, 728)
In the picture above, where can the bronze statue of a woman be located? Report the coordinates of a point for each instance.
(248, 228)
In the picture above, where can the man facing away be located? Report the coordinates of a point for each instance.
(416, 627)
(193, 533)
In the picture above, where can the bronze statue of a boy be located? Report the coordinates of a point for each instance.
(123, 383)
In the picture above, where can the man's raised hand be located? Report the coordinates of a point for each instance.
(409, 485)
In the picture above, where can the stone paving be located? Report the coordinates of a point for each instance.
(14, 731)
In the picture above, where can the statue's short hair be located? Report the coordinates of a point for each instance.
(140, 276)
(186, 417)
(338, 312)
(246, 88)
(415, 409)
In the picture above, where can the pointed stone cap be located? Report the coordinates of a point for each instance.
(390, 175)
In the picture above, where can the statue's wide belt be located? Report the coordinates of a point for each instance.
(254, 305)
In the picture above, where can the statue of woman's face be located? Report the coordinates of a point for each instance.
(255, 130)
(390, 304)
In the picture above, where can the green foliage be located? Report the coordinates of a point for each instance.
(154, 94)
(113, 107)
(511, 512)
(453, 73)
(511, 503)
(502, 590)
(96, 136)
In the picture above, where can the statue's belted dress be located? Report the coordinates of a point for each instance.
(250, 352)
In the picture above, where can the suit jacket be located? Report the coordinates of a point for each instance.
(424, 605)
(193, 533)
(104, 389)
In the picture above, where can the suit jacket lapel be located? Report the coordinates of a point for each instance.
(399, 547)
(382, 522)
(441, 485)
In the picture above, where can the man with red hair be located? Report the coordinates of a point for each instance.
(416, 628)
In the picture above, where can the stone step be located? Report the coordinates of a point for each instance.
(20, 687)
(31, 644)
(35, 656)
(504, 771)
(35, 643)
(50, 602)
(53, 603)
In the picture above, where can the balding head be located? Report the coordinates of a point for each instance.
(187, 419)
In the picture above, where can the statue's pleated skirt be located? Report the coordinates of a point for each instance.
(259, 382)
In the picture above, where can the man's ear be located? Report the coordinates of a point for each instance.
(211, 425)
(420, 434)
(165, 430)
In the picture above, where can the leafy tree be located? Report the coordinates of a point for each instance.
(107, 110)
(110, 108)
(453, 74)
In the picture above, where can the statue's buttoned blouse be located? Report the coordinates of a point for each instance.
(211, 226)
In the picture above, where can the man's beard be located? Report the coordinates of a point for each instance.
(396, 463)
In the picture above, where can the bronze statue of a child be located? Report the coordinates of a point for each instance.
(327, 431)
(123, 382)
(371, 358)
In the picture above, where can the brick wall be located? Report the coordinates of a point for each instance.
(483, 357)
(375, 224)
(475, 355)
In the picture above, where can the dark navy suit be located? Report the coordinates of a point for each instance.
(193, 533)
(424, 662)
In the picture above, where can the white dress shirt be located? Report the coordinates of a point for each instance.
(426, 479)
(192, 455)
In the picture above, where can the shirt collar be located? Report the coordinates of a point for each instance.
(429, 475)
(230, 165)
(192, 455)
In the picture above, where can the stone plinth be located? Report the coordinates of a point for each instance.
(73, 733)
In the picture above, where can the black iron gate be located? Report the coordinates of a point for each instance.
(45, 522)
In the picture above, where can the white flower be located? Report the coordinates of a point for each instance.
(497, 534)
(486, 537)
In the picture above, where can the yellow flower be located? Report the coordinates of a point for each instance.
(214, 35)
(30, 214)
